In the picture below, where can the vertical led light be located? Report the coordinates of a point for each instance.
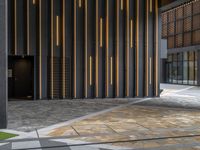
(79, 3)
(147, 47)
(90, 70)
(63, 46)
(131, 33)
(117, 48)
(52, 47)
(28, 27)
(34, 2)
(101, 32)
(97, 49)
(107, 48)
(151, 6)
(40, 49)
(57, 31)
(86, 57)
(111, 70)
(137, 48)
(127, 48)
(122, 5)
(74, 48)
(150, 68)
(15, 5)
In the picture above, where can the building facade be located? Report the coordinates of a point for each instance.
(82, 49)
(60, 49)
(181, 29)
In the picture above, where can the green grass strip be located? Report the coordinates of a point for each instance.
(4, 136)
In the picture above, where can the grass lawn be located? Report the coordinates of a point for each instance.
(4, 136)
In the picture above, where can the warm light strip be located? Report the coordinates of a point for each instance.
(52, 46)
(101, 32)
(97, 49)
(86, 47)
(156, 53)
(64, 47)
(131, 34)
(127, 48)
(15, 3)
(40, 49)
(79, 3)
(74, 48)
(117, 49)
(57, 31)
(122, 5)
(111, 70)
(150, 63)
(90, 70)
(28, 28)
(147, 48)
(107, 48)
(137, 48)
(151, 3)
(34, 2)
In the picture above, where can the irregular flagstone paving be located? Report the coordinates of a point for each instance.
(137, 122)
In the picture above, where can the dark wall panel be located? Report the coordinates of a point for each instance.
(88, 48)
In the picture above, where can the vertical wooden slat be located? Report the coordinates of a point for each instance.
(75, 48)
(52, 48)
(137, 46)
(127, 47)
(97, 49)
(107, 48)
(117, 48)
(147, 48)
(86, 50)
(63, 52)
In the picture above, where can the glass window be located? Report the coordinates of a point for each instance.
(185, 56)
(185, 72)
(174, 72)
(191, 73)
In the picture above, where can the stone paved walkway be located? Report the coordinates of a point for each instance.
(136, 122)
(30, 115)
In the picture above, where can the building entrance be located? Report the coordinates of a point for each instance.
(20, 77)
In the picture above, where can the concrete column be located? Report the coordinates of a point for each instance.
(3, 63)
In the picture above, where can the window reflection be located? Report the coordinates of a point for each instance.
(181, 68)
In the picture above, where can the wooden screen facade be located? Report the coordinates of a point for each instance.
(88, 48)
(181, 26)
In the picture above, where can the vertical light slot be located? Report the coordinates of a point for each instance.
(74, 48)
(122, 4)
(151, 6)
(52, 47)
(28, 28)
(15, 5)
(97, 50)
(107, 48)
(34, 2)
(101, 32)
(86, 47)
(57, 31)
(90, 70)
(131, 34)
(150, 69)
(117, 49)
(40, 49)
(147, 48)
(111, 70)
(137, 48)
(127, 47)
(79, 3)
(156, 53)
(63, 46)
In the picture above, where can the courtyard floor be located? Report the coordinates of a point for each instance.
(169, 122)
